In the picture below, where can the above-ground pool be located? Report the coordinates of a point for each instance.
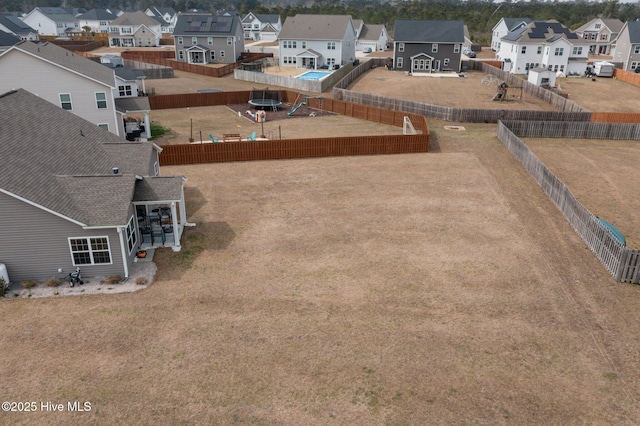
(313, 75)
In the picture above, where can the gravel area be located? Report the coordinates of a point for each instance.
(141, 275)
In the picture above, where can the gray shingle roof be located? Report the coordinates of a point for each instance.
(7, 39)
(136, 18)
(57, 14)
(414, 31)
(98, 15)
(138, 104)
(634, 31)
(270, 18)
(67, 59)
(511, 23)
(67, 167)
(371, 32)
(159, 188)
(15, 25)
(204, 25)
(315, 27)
(540, 31)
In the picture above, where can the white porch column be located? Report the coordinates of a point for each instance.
(177, 234)
(125, 259)
(147, 126)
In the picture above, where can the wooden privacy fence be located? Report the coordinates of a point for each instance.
(627, 76)
(463, 115)
(200, 69)
(622, 262)
(292, 148)
(615, 117)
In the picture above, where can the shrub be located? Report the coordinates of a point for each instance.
(29, 284)
(141, 280)
(112, 279)
(4, 287)
(54, 282)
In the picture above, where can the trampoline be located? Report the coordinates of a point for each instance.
(263, 99)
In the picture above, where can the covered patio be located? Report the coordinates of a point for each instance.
(308, 59)
(134, 105)
(160, 210)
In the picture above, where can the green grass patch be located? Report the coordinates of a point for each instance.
(157, 130)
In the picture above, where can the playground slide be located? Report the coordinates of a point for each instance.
(295, 108)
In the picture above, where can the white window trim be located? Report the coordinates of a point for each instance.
(132, 236)
(61, 102)
(106, 103)
(434, 48)
(400, 47)
(90, 250)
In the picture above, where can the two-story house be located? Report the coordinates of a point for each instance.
(545, 44)
(627, 46)
(261, 26)
(504, 27)
(370, 37)
(311, 41)
(99, 20)
(168, 16)
(203, 39)
(13, 25)
(74, 195)
(75, 84)
(427, 46)
(53, 21)
(135, 29)
(600, 33)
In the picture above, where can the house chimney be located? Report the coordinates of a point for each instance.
(115, 170)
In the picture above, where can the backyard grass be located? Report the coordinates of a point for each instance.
(436, 288)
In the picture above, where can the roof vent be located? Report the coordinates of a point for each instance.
(115, 170)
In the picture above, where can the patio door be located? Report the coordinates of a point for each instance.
(421, 65)
(436, 65)
(196, 57)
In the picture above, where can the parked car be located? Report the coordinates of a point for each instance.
(469, 53)
(366, 50)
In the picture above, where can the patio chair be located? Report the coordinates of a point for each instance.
(252, 138)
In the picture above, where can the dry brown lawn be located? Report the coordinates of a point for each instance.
(437, 288)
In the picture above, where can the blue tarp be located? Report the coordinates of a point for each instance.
(614, 231)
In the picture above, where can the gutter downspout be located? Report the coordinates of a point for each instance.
(125, 260)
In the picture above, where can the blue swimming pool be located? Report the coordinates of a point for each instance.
(313, 75)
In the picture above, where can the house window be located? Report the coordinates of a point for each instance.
(577, 50)
(131, 235)
(603, 36)
(399, 62)
(180, 54)
(634, 65)
(125, 90)
(229, 41)
(209, 41)
(143, 30)
(256, 26)
(456, 48)
(561, 68)
(523, 49)
(331, 45)
(65, 101)
(125, 30)
(222, 53)
(104, 126)
(559, 51)
(304, 44)
(156, 169)
(331, 61)
(445, 63)
(113, 29)
(90, 251)
(103, 23)
(179, 40)
(213, 55)
(598, 26)
(101, 100)
(434, 48)
(194, 40)
(636, 49)
(400, 47)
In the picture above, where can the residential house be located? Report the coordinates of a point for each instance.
(427, 46)
(313, 41)
(78, 196)
(99, 20)
(167, 15)
(204, 39)
(627, 46)
(504, 27)
(369, 36)
(261, 27)
(546, 44)
(135, 29)
(53, 21)
(72, 82)
(13, 25)
(600, 33)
